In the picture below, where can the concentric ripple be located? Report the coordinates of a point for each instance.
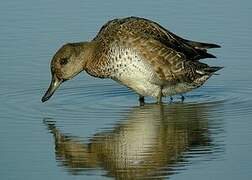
(107, 98)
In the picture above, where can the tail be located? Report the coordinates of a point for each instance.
(201, 45)
(209, 70)
(202, 48)
(204, 74)
(196, 44)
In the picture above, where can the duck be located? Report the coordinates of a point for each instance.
(139, 54)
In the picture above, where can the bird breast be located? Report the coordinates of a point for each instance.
(128, 68)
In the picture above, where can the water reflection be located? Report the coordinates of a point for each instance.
(152, 141)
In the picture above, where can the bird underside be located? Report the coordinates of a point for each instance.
(169, 91)
(148, 89)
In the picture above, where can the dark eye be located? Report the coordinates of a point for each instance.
(63, 61)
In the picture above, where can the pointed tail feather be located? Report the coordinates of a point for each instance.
(202, 48)
(201, 45)
(212, 70)
(208, 70)
(196, 44)
(205, 54)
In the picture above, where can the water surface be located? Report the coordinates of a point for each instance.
(95, 129)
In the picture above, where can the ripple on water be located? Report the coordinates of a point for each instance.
(107, 99)
(101, 99)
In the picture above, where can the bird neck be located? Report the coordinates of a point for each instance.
(85, 51)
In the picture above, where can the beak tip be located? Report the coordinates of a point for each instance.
(44, 99)
(55, 83)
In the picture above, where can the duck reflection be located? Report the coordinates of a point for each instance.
(150, 142)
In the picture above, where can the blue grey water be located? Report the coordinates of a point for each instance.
(94, 129)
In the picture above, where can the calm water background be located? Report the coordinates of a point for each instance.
(94, 129)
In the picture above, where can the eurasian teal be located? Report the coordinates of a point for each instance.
(139, 54)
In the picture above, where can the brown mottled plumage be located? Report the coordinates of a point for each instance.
(139, 54)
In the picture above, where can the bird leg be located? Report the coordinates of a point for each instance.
(141, 100)
(182, 98)
(159, 97)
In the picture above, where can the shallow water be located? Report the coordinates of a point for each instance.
(94, 129)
